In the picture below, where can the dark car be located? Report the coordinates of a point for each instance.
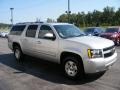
(0, 34)
(112, 33)
(93, 31)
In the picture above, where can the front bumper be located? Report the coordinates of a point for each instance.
(99, 64)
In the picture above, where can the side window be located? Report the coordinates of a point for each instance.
(44, 30)
(31, 31)
(17, 30)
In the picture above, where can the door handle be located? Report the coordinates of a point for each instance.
(39, 42)
(25, 39)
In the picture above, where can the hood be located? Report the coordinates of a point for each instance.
(93, 42)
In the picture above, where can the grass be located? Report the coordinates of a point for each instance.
(4, 29)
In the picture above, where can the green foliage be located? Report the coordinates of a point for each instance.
(50, 20)
(108, 17)
(3, 26)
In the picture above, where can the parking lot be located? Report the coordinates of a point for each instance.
(35, 74)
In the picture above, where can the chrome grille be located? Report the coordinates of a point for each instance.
(109, 51)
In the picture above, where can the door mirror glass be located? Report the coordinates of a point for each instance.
(49, 36)
(96, 33)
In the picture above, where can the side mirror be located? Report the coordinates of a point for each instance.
(89, 34)
(49, 36)
(96, 33)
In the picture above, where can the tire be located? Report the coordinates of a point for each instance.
(73, 68)
(18, 53)
(117, 42)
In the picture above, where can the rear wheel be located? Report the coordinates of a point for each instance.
(18, 53)
(73, 68)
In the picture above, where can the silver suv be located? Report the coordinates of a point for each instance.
(62, 43)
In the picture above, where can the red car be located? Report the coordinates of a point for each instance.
(112, 33)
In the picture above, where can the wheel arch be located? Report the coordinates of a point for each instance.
(15, 44)
(66, 53)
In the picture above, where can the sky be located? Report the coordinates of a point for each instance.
(29, 10)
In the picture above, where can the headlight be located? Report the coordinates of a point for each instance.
(95, 53)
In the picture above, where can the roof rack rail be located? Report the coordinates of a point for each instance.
(28, 22)
(39, 22)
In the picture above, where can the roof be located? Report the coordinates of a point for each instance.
(59, 23)
(23, 23)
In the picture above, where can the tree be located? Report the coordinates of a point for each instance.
(107, 16)
(50, 20)
(63, 18)
(96, 18)
(117, 17)
(89, 18)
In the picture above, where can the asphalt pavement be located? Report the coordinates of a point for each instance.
(36, 74)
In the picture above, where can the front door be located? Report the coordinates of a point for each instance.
(47, 48)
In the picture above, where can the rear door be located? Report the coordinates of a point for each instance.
(29, 39)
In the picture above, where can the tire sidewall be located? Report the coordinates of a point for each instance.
(20, 53)
(80, 71)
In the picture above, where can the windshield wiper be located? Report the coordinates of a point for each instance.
(74, 36)
(80, 35)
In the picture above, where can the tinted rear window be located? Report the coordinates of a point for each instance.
(31, 31)
(17, 30)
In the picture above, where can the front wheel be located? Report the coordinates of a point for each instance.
(73, 67)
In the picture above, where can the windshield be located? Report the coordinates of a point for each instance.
(111, 30)
(67, 31)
